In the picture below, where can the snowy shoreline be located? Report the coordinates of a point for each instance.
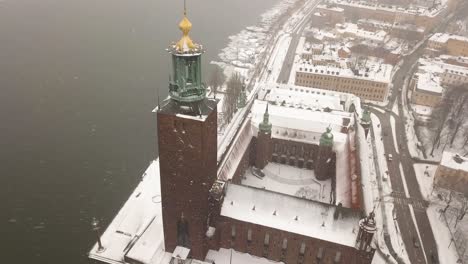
(244, 49)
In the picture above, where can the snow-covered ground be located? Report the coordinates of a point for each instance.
(421, 110)
(427, 134)
(380, 150)
(440, 223)
(443, 237)
(425, 176)
(290, 180)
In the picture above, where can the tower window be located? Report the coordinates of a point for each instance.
(337, 257)
(267, 239)
(302, 249)
(233, 232)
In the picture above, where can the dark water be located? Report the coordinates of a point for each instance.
(78, 81)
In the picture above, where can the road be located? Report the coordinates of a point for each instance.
(412, 197)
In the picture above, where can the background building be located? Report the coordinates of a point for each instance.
(452, 173)
(369, 82)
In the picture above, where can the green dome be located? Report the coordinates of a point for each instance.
(327, 138)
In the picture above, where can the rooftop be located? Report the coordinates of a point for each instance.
(302, 120)
(351, 28)
(371, 71)
(428, 82)
(444, 37)
(291, 214)
(414, 10)
(230, 256)
(454, 161)
(332, 8)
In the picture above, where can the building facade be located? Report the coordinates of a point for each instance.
(332, 80)
(452, 173)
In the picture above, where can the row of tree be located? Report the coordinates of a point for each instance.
(449, 119)
(232, 94)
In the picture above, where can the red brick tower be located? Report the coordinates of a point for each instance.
(187, 136)
(263, 148)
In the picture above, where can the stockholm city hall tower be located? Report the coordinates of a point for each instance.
(187, 137)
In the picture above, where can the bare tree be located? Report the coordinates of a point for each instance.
(233, 89)
(462, 211)
(217, 79)
(448, 202)
(449, 116)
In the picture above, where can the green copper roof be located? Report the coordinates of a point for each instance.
(186, 85)
(366, 118)
(265, 126)
(327, 138)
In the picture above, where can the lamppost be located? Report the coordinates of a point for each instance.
(95, 225)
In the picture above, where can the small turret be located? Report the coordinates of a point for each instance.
(326, 139)
(366, 121)
(263, 150)
(325, 156)
(367, 229)
(265, 126)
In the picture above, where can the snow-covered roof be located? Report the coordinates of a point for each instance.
(280, 212)
(230, 256)
(428, 82)
(302, 119)
(454, 161)
(346, 99)
(136, 231)
(444, 37)
(377, 72)
(413, 10)
(331, 8)
(304, 98)
(351, 28)
(438, 66)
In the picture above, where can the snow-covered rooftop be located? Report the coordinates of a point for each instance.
(454, 161)
(291, 214)
(230, 256)
(331, 8)
(353, 29)
(444, 37)
(324, 97)
(413, 10)
(372, 71)
(302, 120)
(428, 82)
(305, 99)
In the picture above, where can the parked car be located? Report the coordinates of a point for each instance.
(389, 157)
(415, 242)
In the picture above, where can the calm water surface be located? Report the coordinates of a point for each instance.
(78, 80)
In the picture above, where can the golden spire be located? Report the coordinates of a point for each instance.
(185, 43)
